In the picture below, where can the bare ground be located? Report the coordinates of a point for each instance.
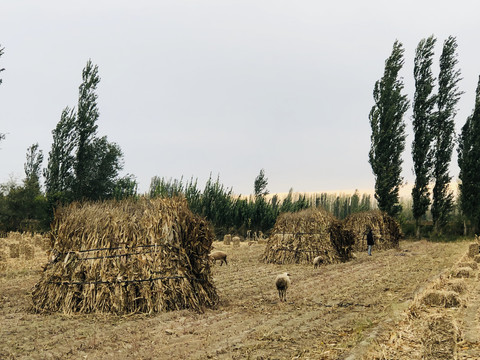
(356, 310)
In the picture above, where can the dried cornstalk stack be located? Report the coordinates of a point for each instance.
(302, 236)
(3, 260)
(386, 230)
(14, 250)
(473, 249)
(28, 251)
(38, 240)
(227, 239)
(236, 241)
(127, 257)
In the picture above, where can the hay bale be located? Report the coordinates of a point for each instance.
(227, 239)
(28, 251)
(440, 337)
(38, 240)
(456, 285)
(476, 258)
(462, 272)
(236, 241)
(473, 250)
(441, 298)
(3, 256)
(14, 250)
(127, 257)
(386, 230)
(302, 236)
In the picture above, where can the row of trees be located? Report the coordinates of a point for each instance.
(434, 131)
(230, 213)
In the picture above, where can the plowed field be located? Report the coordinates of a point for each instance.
(367, 308)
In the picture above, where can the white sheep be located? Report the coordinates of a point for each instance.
(282, 282)
(218, 255)
(317, 261)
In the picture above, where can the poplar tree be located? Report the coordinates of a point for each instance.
(86, 128)
(82, 165)
(388, 133)
(59, 174)
(260, 184)
(423, 109)
(2, 136)
(469, 164)
(443, 130)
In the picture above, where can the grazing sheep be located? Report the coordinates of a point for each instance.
(282, 282)
(317, 262)
(218, 255)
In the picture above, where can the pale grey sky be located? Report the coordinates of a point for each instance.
(223, 87)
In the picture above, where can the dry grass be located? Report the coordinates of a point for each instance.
(351, 310)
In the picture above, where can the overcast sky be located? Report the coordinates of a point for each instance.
(193, 88)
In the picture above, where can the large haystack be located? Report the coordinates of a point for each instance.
(126, 257)
(302, 236)
(386, 230)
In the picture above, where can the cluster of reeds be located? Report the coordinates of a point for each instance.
(386, 230)
(302, 236)
(127, 257)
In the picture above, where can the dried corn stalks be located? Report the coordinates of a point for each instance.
(127, 257)
(300, 237)
(386, 231)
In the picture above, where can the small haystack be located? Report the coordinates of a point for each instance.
(127, 257)
(300, 237)
(386, 230)
(440, 338)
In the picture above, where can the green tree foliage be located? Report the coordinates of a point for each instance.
(423, 108)
(59, 174)
(237, 214)
(388, 133)
(24, 207)
(33, 165)
(125, 187)
(469, 164)
(260, 184)
(443, 132)
(82, 165)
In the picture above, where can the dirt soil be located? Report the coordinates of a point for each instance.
(343, 311)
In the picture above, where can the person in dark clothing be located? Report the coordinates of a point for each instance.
(370, 241)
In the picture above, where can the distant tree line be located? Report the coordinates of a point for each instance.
(238, 214)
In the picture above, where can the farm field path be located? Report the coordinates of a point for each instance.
(341, 311)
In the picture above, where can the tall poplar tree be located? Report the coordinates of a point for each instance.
(388, 133)
(2, 136)
(443, 132)
(260, 184)
(59, 174)
(423, 109)
(469, 164)
(86, 128)
(82, 165)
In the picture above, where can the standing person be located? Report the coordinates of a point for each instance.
(370, 241)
